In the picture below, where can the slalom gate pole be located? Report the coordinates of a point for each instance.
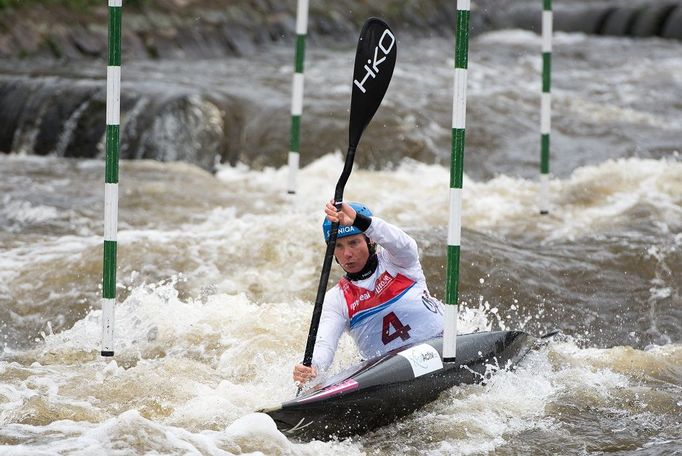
(111, 176)
(297, 93)
(546, 104)
(456, 177)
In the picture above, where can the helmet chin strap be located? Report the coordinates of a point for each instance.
(371, 246)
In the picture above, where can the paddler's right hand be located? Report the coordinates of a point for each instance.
(303, 374)
(345, 216)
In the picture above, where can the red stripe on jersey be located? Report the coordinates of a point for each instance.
(386, 288)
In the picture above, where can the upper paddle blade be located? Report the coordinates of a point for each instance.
(374, 63)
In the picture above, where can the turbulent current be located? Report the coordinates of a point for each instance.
(217, 272)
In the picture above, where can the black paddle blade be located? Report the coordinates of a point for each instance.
(374, 63)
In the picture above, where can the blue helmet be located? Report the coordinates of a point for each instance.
(346, 230)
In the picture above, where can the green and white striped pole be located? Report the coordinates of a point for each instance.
(456, 177)
(297, 93)
(111, 176)
(546, 104)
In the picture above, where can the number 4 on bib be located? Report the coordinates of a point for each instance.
(391, 320)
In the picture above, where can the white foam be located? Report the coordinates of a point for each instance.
(24, 212)
(258, 432)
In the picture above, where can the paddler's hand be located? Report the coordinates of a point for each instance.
(303, 374)
(345, 217)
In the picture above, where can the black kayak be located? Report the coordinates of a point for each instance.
(381, 390)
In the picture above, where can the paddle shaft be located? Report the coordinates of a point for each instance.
(329, 254)
(374, 62)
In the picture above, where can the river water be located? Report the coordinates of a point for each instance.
(217, 272)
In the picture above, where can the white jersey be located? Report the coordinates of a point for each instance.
(389, 309)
